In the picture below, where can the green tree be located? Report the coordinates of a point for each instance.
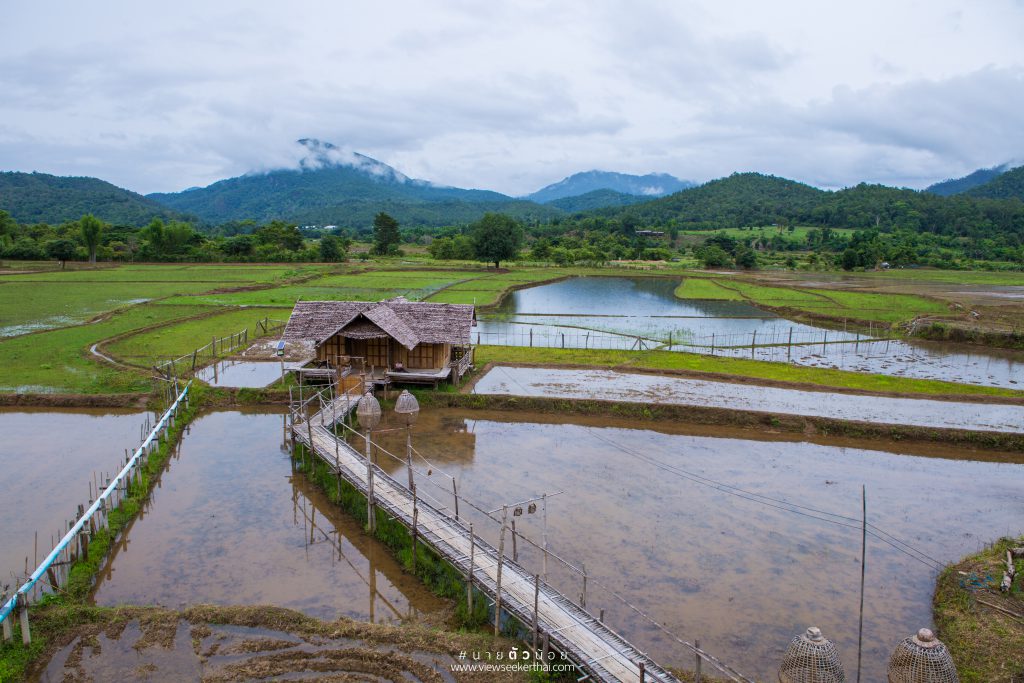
(385, 235)
(496, 238)
(332, 248)
(280, 234)
(92, 230)
(62, 250)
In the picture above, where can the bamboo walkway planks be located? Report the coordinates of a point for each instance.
(594, 647)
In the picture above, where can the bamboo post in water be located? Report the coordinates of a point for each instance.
(753, 342)
(515, 549)
(469, 579)
(536, 601)
(415, 527)
(501, 558)
(455, 494)
(696, 654)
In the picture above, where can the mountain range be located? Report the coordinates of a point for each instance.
(647, 186)
(333, 186)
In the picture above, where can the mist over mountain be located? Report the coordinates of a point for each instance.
(1007, 185)
(332, 185)
(647, 186)
(970, 181)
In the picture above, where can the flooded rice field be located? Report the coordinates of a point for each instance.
(623, 307)
(239, 373)
(699, 528)
(231, 524)
(610, 385)
(919, 360)
(48, 458)
(638, 312)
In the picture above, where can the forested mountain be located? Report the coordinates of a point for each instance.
(43, 198)
(1009, 185)
(741, 199)
(332, 187)
(645, 186)
(959, 185)
(596, 200)
(752, 199)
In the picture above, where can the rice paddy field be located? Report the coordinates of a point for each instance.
(54, 323)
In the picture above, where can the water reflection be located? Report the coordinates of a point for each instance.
(641, 514)
(232, 524)
(237, 373)
(48, 459)
(612, 312)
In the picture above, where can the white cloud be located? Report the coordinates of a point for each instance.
(512, 96)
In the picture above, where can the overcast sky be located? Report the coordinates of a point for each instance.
(511, 96)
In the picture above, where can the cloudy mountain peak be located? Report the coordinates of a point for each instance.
(320, 154)
(651, 185)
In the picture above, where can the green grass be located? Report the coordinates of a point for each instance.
(736, 367)
(151, 346)
(29, 306)
(987, 645)
(53, 299)
(837, 304)
(701, 288)
(58, 361)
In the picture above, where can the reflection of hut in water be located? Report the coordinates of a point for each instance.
(390, 341)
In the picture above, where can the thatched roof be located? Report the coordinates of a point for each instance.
(409, 323)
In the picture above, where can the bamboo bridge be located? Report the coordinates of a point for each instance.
(599, 652)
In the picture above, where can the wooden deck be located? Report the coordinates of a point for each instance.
(591, 645)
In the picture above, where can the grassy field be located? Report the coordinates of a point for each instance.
(58, 361)
(51, 299)
(734, 367)
(838, 304)
(987, 645)
(149, 347)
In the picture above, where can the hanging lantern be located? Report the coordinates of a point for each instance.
(811, 658)
(922, 658)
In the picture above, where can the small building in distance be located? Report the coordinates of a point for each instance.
(389, 341)
(650, 233)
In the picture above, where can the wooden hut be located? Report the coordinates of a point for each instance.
(393, 340)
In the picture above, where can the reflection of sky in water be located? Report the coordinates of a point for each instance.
(741, 576)
(47, 459)
(231, 524)
(232, 373)
(610, 312)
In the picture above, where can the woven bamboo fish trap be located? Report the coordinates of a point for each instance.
(811, 658)
(922, 658)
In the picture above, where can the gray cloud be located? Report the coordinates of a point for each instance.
(512, 96)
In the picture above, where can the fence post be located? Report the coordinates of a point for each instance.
(789, 346)
(213, 347)
(531, 337)
(753, 342)
(26, 634)
(696, 645)
(712, 343)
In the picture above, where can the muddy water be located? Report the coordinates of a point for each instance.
(234, 373)
(232, 524)
(199, 652)
(741, 575)
(47, 459)
(610, 385)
